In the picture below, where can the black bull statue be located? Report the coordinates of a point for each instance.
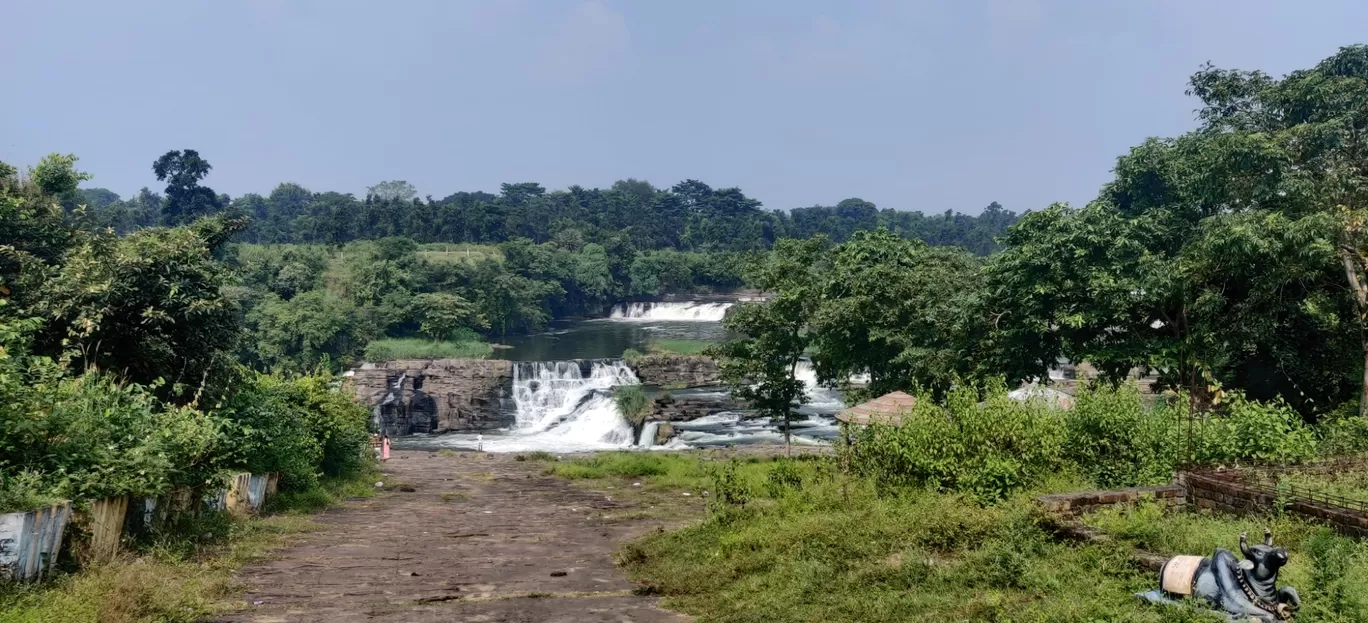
(1242, 588)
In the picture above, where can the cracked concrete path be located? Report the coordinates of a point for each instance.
(480, 537)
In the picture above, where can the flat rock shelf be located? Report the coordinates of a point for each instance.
(481, 537)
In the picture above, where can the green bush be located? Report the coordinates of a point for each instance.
(1343, 432)
(91, 436)
(632, 404)
(1118, 442)
(298, 427)
(990, 449)
(1246, 430)
(24, 491)
(783, 478)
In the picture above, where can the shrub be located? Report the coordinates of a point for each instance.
(1245, 430)
(1343, 432)
(298, 427)
(91, 436)
(989, 449)
(1116, 441)
(783, 478)
(24, 491)
(633, 404)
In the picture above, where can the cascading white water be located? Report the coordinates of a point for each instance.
(688, 311)
(819, 397)
(648, 434)
(564, 406)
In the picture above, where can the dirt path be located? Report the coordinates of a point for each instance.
(479, 538)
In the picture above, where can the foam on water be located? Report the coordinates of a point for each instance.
(567, 406)
(687, 311)
(560, 406)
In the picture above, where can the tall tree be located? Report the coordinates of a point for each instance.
(1298, 146)
(392, 190)
(898, 310)
(186, 200)
(761, 365)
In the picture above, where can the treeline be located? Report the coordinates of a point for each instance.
(1232, 258)
(308, 305)
(118, 361)
(691, 216)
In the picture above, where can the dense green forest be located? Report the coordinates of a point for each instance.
(1233, 257)
(691, 216)
(324, 276)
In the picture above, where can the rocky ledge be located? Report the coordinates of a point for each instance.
(675, 371)
(435, 395)
(668, 408)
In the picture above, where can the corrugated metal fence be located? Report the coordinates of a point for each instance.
(30, 541)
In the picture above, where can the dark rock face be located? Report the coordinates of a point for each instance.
(669, 408)
(676, 370)
(436, 395)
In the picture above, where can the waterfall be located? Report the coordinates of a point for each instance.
(688, 311)
(648, 434)
(819, 397)
(377, 414)
(570, 403)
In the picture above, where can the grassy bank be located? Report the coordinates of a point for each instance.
(679, 347)
(799, 541)
(181, 577)
(412, 348)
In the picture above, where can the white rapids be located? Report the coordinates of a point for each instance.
(561, 406)
(692, 311)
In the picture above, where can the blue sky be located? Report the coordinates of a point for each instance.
(912, 105)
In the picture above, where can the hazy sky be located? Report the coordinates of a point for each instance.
(912, 105)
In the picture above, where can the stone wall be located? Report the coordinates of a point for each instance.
(1226, 492)
(1071, 505)
(669, 370)
(436, 395)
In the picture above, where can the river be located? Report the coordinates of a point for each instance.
(629, 325)
(561, 392)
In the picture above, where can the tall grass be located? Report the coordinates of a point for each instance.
(1329, 571)
(411, 348)
(797, 541)
(800, 541)
(679, 347)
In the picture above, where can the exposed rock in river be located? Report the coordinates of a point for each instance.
(667, 370)
(670, 408)
(435, 395)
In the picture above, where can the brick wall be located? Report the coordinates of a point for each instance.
(1070, 505)
(1225, 492)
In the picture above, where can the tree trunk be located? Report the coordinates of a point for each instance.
(1351, 272)
(1363, 393)
(788, 435)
